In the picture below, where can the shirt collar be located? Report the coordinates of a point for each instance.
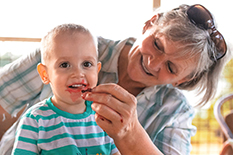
(159, 91)
(148, 91)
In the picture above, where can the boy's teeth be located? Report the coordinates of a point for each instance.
(77, 85)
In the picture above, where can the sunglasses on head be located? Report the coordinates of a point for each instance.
(203, 19)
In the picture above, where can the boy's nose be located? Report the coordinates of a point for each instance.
(77, 72)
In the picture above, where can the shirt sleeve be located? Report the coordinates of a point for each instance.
(175, 138)
(20, 83)
(166, 115)
(103, 47)
(26, 136)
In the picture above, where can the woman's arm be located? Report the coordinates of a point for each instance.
(7, 121)
(136, 142)
(117, 115)
(20, 83)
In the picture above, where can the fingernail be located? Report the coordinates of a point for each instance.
(93, 89)
(84, 95)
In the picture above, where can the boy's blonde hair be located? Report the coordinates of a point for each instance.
(60, 29)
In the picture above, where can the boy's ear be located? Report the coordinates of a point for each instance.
(149, 23)
(99, 66)
(43, 73)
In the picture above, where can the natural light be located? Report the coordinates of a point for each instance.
(113, 19)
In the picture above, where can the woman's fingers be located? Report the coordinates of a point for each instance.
(106, 112)
(110, 101)
(112, 128)
(102, 121)
(108, 119)
(115, 108)
(116, 91)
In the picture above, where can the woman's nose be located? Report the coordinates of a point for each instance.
(155, 63)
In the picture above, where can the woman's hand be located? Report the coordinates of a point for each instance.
(115, 109)
(116, 114)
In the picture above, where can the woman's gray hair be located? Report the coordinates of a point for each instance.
(196, 43)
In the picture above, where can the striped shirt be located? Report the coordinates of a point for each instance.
(44, 129)
(163, 110)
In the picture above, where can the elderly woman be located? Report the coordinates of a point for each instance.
(138, 101)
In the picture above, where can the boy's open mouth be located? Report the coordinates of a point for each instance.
(77, 86)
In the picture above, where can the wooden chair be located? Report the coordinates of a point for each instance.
(225, 121)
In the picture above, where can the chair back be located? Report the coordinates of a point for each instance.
(223, 112)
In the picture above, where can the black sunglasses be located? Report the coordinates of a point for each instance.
(203, 19)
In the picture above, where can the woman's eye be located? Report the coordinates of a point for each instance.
(156, 44)
(87, 64)
(65, 65)
(171, 68)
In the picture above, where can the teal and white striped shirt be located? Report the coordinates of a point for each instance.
(44, 129)
(163, 110)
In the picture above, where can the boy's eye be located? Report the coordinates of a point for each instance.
(65, 65)
(87, 64)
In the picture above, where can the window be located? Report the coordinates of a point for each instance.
(113, 19)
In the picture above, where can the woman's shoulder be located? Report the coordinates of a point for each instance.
(108, 47)
(109, 51)
(172, 98)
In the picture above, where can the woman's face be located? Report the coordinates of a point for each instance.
(152, 61)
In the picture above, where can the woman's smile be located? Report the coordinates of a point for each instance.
(144, 68)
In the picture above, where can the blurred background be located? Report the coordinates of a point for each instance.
(24, 22)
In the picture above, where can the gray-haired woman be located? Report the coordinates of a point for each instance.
(138, 101)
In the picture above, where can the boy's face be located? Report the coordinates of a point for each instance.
(72, 66)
